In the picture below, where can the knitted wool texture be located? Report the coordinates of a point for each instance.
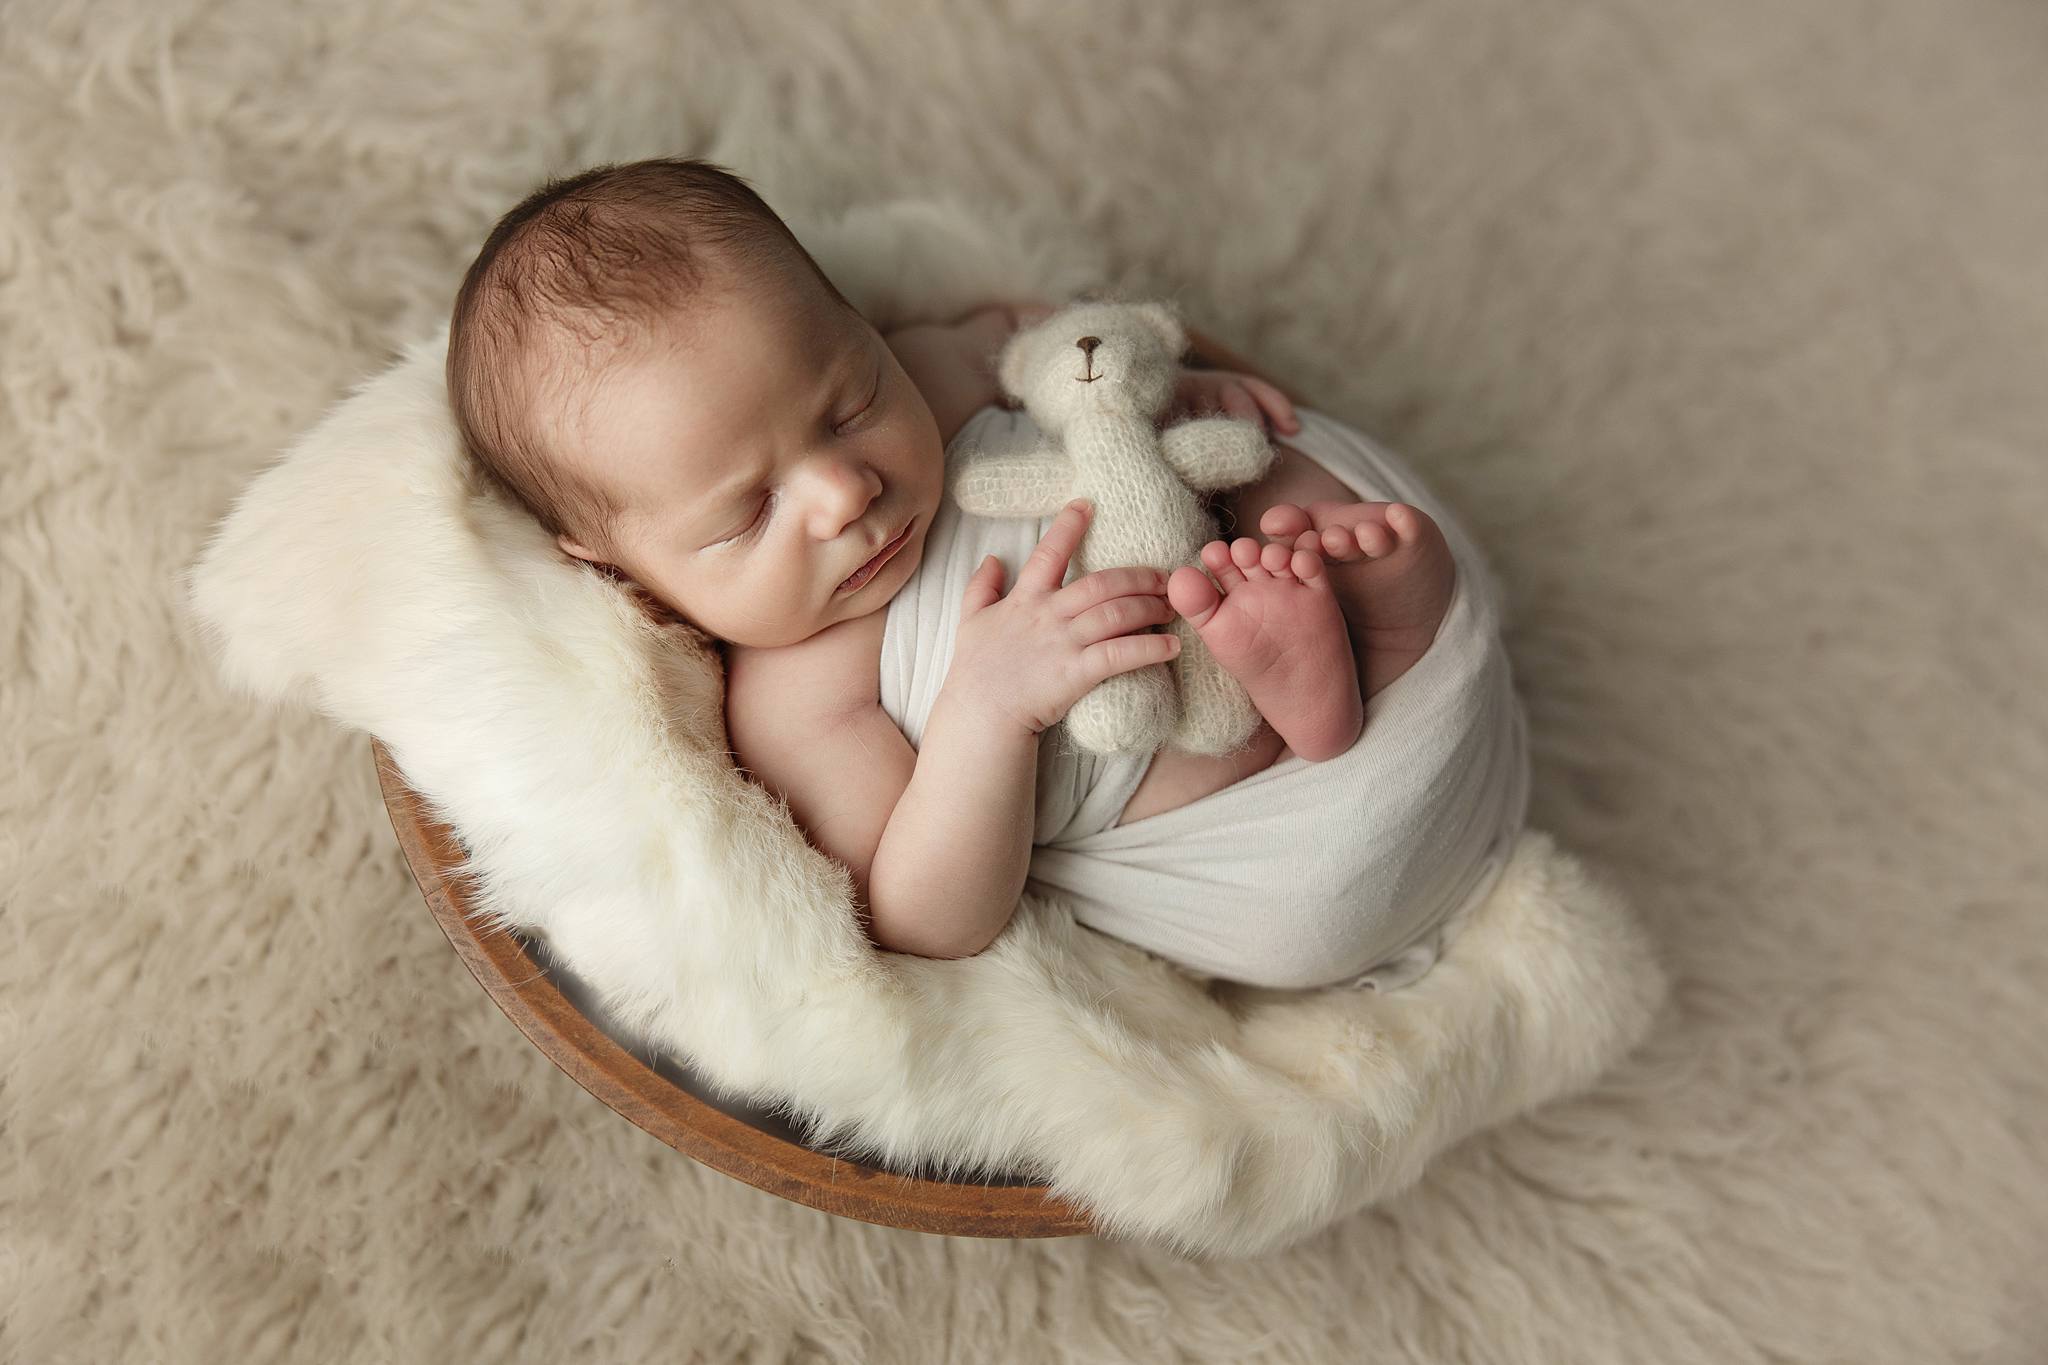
(1095, 377)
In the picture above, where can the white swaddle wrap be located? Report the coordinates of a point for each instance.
(1355, 869)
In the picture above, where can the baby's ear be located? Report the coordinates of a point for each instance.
(571, 546)
(1163, 320)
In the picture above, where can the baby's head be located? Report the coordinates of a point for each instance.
(647, 359)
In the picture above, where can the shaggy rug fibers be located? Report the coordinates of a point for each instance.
(1722, 325)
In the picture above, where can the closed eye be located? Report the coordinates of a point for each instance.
(865, 408)
(762, 515)
(750, 530)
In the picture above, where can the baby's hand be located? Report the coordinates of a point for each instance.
(1211, 393)
(986, 330)
(1025, 659)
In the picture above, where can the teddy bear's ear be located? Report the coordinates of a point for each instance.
(1161, 318)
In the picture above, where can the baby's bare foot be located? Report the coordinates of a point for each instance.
(1345, 532)
(1390, 568)
(1276, 627)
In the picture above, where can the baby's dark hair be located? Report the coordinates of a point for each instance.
(590, 262)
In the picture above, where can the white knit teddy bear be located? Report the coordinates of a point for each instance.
(1095, 377)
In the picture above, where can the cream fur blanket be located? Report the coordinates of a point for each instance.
(1722, 325)
(580, 754)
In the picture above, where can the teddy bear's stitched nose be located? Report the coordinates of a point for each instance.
(1088, 345)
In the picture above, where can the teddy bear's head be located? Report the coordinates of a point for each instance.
(1094, 357)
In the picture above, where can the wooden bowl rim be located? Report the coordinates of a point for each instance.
(519, 984)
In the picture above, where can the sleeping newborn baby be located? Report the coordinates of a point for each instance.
(647, 359)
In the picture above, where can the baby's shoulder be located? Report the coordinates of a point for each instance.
(827, 674)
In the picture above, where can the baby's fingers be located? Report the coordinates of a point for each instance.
(1121, 615)
(1122, 653)
(1274, 403)
(1102, 585)
(1239, 403)
(1047, 566)
(984, 588)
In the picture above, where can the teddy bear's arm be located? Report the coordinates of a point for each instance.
(1216, 452)
(1036, 483)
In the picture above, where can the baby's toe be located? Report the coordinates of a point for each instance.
(1275, 559)
(1374, 540)
(1284, 521)
(1244, 552)
(1322, 515)
(1216, 559)
(1189, 592)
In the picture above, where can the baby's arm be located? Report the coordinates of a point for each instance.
(952, 862)
(937, 839)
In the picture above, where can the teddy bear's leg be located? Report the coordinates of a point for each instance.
(1217, 715)
(1130, 712)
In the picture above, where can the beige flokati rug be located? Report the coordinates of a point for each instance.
(1723, 327)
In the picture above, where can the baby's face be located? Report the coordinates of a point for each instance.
(762, 457)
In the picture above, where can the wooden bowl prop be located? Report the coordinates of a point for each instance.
(664, 1097)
